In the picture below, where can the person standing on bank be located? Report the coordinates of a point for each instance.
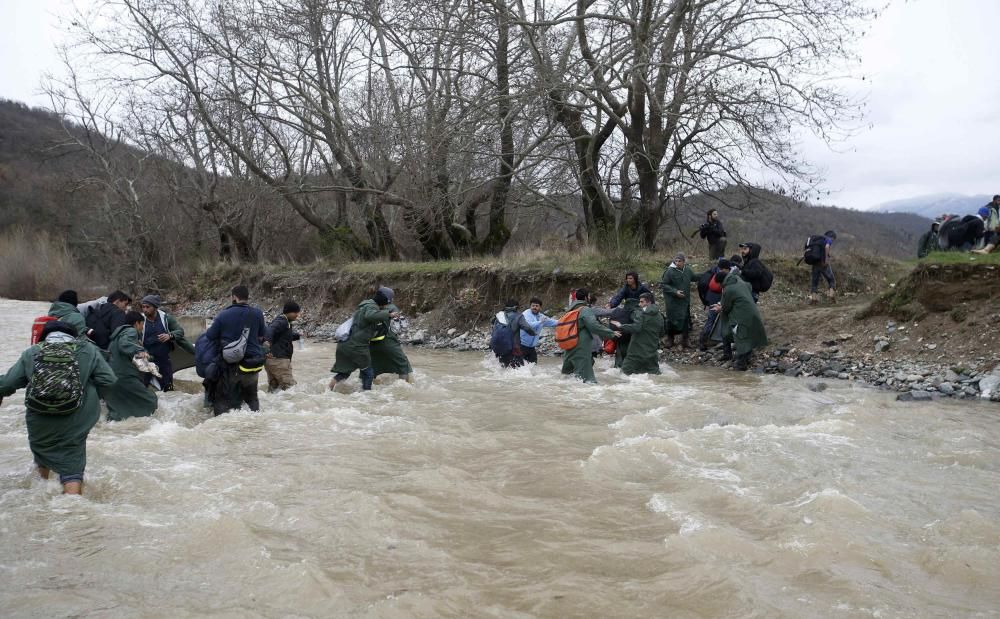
(676, 287)
(742, 326)
(713, 232)
(237, 332)
(129, 397)
(355, 353)
(62, 400)
(160, 334)
(279, 346)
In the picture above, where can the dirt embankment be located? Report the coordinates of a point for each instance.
(932, 326)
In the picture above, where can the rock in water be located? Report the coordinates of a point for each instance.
(988, 384)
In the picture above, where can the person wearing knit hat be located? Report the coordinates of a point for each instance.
(355, 353)
(160, 335)
(64, 309)
(676, 287)
(58, 442)
(386, 350)
(279, 345)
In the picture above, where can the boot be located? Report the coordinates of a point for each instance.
(702, 343)
(727, 351)
(686, 341)
(812, 298)
(831, 295)
(742, 362)
(670, 340)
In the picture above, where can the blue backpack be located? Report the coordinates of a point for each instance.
(502, 338)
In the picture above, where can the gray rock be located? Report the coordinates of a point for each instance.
(969, 391)
(418, 337)
(914, 396)
(952, 377)
(805, 356)
(817, 387)
(881, 345)
(843, 376)
(830, 373)
(452, 332)
(988, 384)
(837, 367)
(946, 388)
(793, 372)
(912, 378)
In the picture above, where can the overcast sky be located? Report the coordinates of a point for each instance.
(933, 88)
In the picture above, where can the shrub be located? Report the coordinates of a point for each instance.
(35, 266)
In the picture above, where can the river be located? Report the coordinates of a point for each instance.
(477, 492)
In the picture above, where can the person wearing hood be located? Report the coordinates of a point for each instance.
(505, 339)
(753, 271)
(129, 396)
(386, 349)
(579, 360)
(676, 287)
(58, 442)
(928, 241)
(710, 293)
(742, 326)
(104, 319)
(355, 353)
(279, 345)
(160, 334)
(647, 328)
(64, 309)
(537, 321)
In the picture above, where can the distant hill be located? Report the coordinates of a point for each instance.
(936, 204)
(781, 225)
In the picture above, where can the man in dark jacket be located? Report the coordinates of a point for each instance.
(280, 340)
(753, 271)
(713, 232)
(107, 317)
(929, 241)
(507, 326)
(237, 383)
(160, 334)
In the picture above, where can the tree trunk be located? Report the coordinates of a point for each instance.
(499, 233)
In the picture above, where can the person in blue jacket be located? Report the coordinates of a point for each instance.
(237, 382)
(630, 292)
(537, 320)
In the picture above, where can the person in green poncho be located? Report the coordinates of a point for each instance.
(355, 353)
(64, 309)
(386, 351)
(676, 287)
(647, 328)
(59, 442)
(579, 360)
(742, 326)
(129, 397)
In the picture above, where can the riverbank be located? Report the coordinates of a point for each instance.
(925, 330)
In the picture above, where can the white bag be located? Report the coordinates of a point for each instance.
(343, 332)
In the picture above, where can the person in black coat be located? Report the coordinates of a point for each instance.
(107, 317)
(713, 232)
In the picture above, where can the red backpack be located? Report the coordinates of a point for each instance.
(37, 326)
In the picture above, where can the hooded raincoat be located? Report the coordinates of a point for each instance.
(387, 352)
(643, 353)
(129, 397)
(355, 353)
(676, 280)
(59, 442)
(580, 361)
(69, 314)
(741, 321)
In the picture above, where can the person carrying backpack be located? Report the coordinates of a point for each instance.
(237, 332)
(386, 350)
(63, 375)
(575, 335)
(105, 318)
(817, 256)
(355, 353)
(754, 271)
(505, 337)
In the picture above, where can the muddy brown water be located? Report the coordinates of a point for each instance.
(477, 492)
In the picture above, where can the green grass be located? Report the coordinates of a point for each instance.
(958, 257)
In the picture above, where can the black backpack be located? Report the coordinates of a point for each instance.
(766, 278)
(502, 338)
(815, 250)
(55, 387)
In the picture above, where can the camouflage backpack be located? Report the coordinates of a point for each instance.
(55, 387)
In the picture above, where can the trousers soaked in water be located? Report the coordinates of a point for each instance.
(512, 493)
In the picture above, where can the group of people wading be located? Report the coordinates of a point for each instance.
(636, 328)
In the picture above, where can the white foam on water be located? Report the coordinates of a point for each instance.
(688, 523)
